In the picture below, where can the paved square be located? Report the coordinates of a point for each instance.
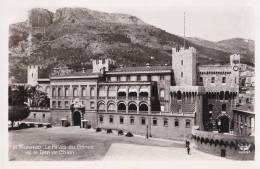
(74, 143)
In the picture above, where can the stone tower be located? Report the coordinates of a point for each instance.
(32, 75)
(184, 66)
(100, 65)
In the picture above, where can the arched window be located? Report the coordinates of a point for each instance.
(162, 93)
(48, 90)
(101, 106)
(179, 95)
(121, 107)
(92, 92)
(132, 107)
(111, 107)
(143, 107)
(75, 92)
(53, 92)
(66, 92)
(84, 92)
(224, 107)
(59, 91)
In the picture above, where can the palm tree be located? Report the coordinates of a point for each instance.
(18, 103)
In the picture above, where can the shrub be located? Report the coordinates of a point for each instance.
(120, 132)
(40, 125)
(109, 131)
(67, 124)
(31, 125)
(98, 129)
(23, 126)
(48, 125)
(129, 134)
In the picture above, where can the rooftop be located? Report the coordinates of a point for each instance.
(248, 108)
(142, 69)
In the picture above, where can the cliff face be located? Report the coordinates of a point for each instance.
(73, 36)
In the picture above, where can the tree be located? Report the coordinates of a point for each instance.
(18, 103)
(21, 98)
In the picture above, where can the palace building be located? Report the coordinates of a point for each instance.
(159, 101)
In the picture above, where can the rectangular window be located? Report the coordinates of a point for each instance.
(66, 104)
(128, 78)
(201, 79)
(212, 79)
(154, 122)
(176, 123)
(138, 77)
(162, 108)
(187, 123)
(181, 74)
(223, 79)
(121, 120)
(143, 121)
(181, 62)
(111, 119)
(54, 104)
(149, 78)
(101, 119)
(59, 104)
(43, 116)
(34, 115)
(132, 120)
(165, 122)
(103, 61)
(161, 77)
(92, 105)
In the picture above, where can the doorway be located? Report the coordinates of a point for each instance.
(76, 118)
(224, 124)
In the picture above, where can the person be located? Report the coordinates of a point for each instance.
(186, 143)
(188, 150)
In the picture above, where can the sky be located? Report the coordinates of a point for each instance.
(207, 19)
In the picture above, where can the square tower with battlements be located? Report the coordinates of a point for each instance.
(184, 66)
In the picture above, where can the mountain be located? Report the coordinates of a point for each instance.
(73, 36)
(245, 47)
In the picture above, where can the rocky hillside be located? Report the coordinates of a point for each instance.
(245, 47)
(73, 36)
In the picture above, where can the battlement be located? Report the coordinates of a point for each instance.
(100, 65)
